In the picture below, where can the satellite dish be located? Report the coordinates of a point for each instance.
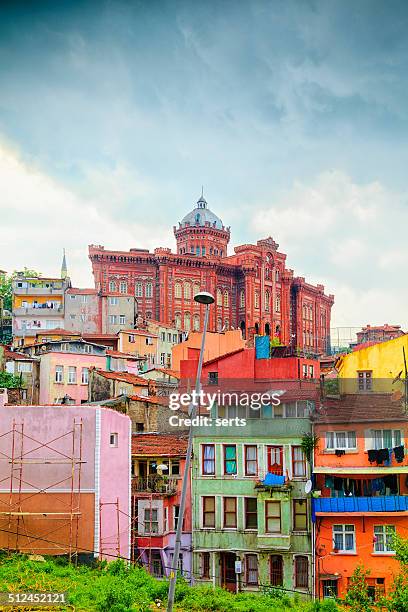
(308, 486)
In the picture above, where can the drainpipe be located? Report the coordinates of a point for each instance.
(313, 530)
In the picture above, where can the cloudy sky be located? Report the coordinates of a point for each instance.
(293, 115)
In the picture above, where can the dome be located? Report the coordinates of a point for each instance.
(202, 215)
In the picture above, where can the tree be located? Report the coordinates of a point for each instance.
(9, 381)
(397, 600)
(357, 597)
(6, 289)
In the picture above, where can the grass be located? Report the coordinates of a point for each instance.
(115, 587)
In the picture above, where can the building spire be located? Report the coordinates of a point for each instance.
(64, 269)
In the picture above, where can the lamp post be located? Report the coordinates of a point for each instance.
(202, 298)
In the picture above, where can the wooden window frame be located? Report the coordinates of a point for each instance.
(203, 472)
(253, 512)
(249, 582)
(246, 446)
(268, 516)
(272, 576)
(298, 584)
(298, 461)
(205, 512)
(295, 514)
(224, 446)
(224, 513)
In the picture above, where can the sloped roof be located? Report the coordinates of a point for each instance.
(126, 377)
(355, 408)
(215, 359)
(159, 444)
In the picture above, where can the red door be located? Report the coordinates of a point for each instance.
(228, 576)
(275, 460)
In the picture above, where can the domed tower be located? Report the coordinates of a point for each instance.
(202, 233)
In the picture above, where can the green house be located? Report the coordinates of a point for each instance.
(251, 515)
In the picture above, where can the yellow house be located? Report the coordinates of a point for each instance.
(140, 343)
(379, 368)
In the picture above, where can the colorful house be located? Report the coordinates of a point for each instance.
(71, 492)
(377, 368)
(81, 312)
(251, 522)
(157, 471)
(361, 472)
(107, 385)
(140, 343)
(27, 368)
(216, 344)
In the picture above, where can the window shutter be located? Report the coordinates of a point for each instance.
(368, 439)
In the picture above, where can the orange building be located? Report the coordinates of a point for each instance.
(361, 471)
(216, 344)
(140, 343)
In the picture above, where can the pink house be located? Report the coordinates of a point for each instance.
(68, 471)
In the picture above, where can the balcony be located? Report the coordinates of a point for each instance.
(389, 503)
(37, 311)
(161, 485)
(38, 290)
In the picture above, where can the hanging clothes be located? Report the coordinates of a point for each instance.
(372, 455)
(339, 452)
(382, 455)
(399, 453)
(387, 462)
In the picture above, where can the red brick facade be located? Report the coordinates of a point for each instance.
(253, 288)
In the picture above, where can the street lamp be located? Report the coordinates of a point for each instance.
(207, 299)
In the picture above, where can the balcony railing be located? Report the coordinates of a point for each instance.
(383, 503)
(154, 484)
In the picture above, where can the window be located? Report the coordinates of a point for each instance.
(162, 358)
(72, 375)
(65, 346)
(163, 336)
(148, 290)
(122, 319)
(165, 519)
(196, 323)
(123, 287)
(72, 316)
(59, 374)
(113, 319)
(251, 513)
(88, 348)
(341, 440)
(267, 300)
(304, 371)
(177, 290)
(208, 459)
(175, 467)
(219, 324)
(219, 297)
(329, 588)
(311, 371)
(213, 378)
(365, 382)
(251, 460)
(386, 438)
(276, 570)
(256, 299)
(131, 338)
(298, 462)
(177, 320)
(277, 303)
(301, 572)
(226, 299)
(242, 299)
(187, 321)
(277, 276)
(299, 515)
(275, 459)
(272, 517)
(85, 376)
(384, 538)
(344, 538)
(251, 569)
(151, 522)
(112, 286)
(208, 512)
(84, 299)
(168, 337)
(187, 291)
(156, 566)
(230, 459)
(113, 301)
(24, 367)
(230, 512)
(113, 439)
(205, 565)
(176, 514)
(138, 290)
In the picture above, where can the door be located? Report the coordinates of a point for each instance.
(228, 576)
(275, 460)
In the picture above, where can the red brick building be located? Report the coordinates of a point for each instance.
(254, 289)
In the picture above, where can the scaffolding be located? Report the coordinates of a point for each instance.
(25, 511)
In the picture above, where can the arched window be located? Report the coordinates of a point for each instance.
(242, 299)
(196, 323)
(219, 324)
(112, 286)
(276, 570)
(187, 291)
(148, 290)
(219, 297)
(196, 289)
(277, 303)
(256, 300)
(267, 299)
(177, 320)
(277, 276)
(187, 321)
(138, 289)
(267, 273)
(226, 324)
(177, 290)
(226, 299)
(123, 287)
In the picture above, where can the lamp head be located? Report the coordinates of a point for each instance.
(203, 297)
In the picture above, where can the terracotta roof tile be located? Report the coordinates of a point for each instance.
(354, 408)
(151, 399)
(118, 354)
(165, 371)
(58, 331)
(126, 377)
(138, 332)
(78, 291)
(159, 444)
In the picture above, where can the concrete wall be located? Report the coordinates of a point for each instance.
(81, 311)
